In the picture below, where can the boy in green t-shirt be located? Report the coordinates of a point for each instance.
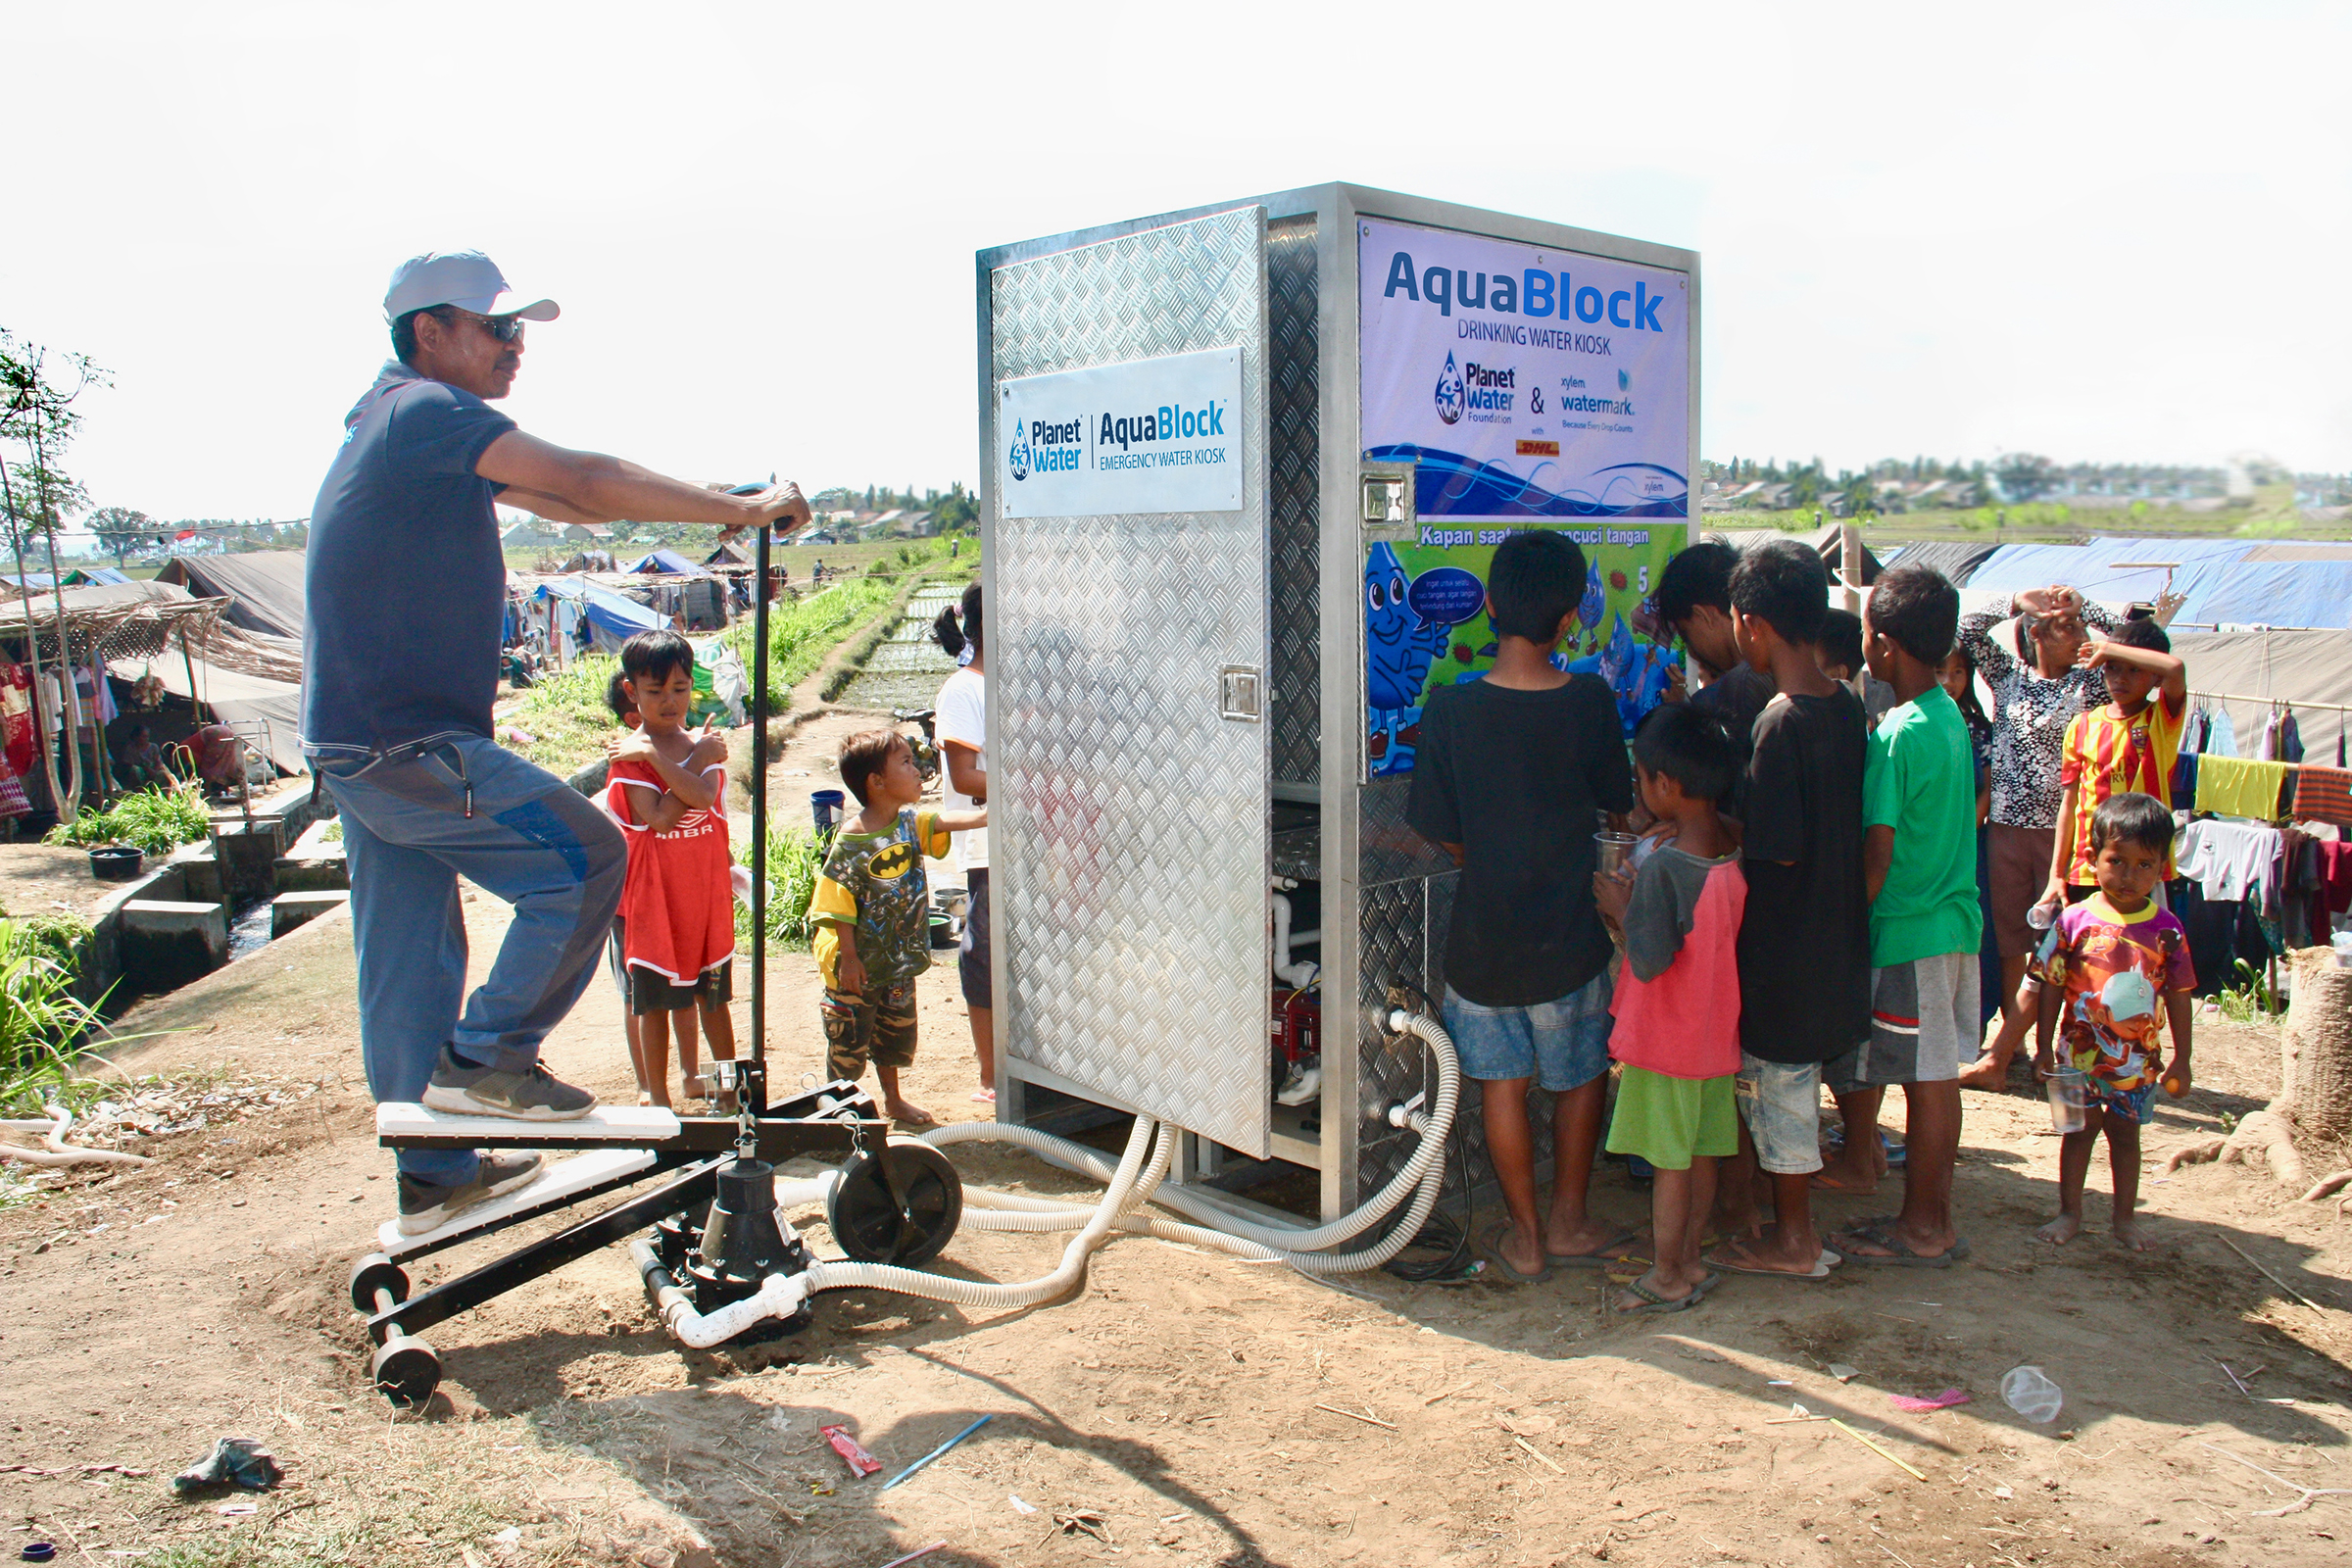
(872, 913)
(1918, 812)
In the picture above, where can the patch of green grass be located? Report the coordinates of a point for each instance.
(794, 860)
(2251, 1001)
(801, 632)
(564, 714)
(156, 819)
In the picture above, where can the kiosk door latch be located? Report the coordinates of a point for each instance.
(1244, 695)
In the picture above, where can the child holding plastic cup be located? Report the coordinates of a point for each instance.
(2114, 970)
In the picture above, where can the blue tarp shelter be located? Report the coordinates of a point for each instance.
(668, 560)
(613, 618)
(2222, 581)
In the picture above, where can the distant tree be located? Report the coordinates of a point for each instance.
(956, 510)
(122, 530)
(2024, 476)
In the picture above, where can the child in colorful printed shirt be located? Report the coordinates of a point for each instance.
(872, 910)
(2105, 968)
(1676, 1007)
(666, 787)
(2127, 745)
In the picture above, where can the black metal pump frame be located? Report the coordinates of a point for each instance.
(837, 1118)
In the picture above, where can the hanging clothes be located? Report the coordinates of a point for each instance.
(2266, 750)
(16, 710)
(2193, 733)
(2290, 737)
(2231, 786)
(2184, 777)
(102, 692)
(2221, 736)
(2232, 860)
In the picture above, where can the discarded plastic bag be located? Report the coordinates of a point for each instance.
(1933, 1401)
(233, 1462)
(2031, 1394)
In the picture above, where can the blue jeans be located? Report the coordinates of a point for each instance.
(529, 839)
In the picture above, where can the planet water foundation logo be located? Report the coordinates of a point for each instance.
(1449, 393)
(1018, 455)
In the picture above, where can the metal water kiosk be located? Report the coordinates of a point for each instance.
(1240, 467)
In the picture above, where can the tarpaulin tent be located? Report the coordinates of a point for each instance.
(613, 618)
(102, 576)
(1957, 559)
(265, 587)
(667, 560)
(231, 695)
(2253, 668)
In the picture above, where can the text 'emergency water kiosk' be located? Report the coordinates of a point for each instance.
(1243, 469)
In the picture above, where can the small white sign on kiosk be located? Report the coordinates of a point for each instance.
(1148, 435)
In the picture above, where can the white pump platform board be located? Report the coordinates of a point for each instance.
(556, 1184)
(629, 1126)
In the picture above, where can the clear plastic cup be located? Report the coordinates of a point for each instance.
(1613, 850)
(2042, 916)
(2070, 1093)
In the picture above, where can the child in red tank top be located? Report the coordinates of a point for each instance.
(666, 787)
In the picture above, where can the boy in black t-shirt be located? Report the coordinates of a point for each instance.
(1511, 776)
(1804, 937)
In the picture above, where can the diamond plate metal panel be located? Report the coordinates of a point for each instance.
(1294, 546)
(1130, 818)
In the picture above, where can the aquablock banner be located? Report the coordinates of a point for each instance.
(1524, 384)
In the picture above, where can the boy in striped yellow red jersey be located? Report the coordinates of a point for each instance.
(2127, 746)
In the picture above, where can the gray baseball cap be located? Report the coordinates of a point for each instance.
(468, 279)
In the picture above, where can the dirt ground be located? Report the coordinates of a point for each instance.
(1185, 1408)
(49, 879)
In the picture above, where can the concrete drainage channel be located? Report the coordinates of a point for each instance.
(215, 902)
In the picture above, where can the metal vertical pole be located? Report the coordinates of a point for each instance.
(760, 798)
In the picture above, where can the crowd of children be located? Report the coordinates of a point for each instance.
(1802, 910)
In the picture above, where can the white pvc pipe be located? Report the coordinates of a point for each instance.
(1151, 1149)
(780, 1295)
(1304, 970)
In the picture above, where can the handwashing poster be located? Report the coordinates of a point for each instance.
(1425, 623)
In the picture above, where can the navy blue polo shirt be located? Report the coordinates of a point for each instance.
(406, 586)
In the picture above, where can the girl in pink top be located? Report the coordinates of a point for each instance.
(1676, 1004)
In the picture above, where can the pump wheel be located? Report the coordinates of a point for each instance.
(909, 1231)
(407, 1371)
(372, 1273)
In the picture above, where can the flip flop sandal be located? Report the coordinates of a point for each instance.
(1897, 1255)
(1492, 1245)
(1599, 1258)
(1721, 1259)
(1823, 1184)
(1653, 1302)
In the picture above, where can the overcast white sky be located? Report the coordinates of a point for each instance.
(2098, 231)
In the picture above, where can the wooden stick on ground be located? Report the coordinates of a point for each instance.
(2273, 1278)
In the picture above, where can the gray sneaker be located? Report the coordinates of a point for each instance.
(424, 1206)
(534, 1096)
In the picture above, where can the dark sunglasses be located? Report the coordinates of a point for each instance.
(505, 329)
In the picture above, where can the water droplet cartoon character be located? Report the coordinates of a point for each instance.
(1636, 673)
(1594, 606)
(1398, 649)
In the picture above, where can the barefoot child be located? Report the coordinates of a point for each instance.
(872, 910)
(1676, 1007)
(1510, 772)
(2105, 967)
(1804, 938)
(666, 787)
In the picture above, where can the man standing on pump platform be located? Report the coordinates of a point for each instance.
(406, 594)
